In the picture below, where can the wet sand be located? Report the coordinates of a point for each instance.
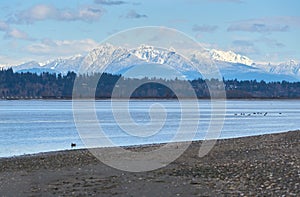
(266, 165)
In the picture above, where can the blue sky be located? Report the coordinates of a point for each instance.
(264, 30)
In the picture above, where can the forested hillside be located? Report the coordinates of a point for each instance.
(56, 86)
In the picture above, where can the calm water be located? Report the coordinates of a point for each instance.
(37, 125)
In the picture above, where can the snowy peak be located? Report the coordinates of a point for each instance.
(291, 63)
(105, 49)
(29, 65)
(120, 59)
(291, 67)
(68, 64)
(150, 54)
(229, 56)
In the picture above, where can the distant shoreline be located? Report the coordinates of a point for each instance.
(72, 85)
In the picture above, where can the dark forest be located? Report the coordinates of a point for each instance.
(27, 85)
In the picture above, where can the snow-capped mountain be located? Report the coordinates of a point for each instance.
(229, 56)
(121, 60)
(289, 68)
(64, 64)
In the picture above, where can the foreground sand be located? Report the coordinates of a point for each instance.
(267, 165)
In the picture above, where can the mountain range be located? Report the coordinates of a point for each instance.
(121, 60)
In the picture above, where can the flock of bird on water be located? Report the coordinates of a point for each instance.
(73, 145)
(254, 113)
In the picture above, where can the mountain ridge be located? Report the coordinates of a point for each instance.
(230, 64)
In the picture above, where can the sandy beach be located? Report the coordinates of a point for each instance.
(266, 165)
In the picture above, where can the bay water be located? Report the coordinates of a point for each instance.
(33, 126)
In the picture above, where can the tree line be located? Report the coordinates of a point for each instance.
(14, 85)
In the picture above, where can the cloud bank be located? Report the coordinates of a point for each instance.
(46, 12)
(265, 25)
(205, 28)
(132, 14)
(13, 32)
(110, 2)
(61, 48)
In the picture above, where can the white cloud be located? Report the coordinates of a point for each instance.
(4, 61)
(13, 32)
(89, 14)
(48, 49)
(205, 28)
(134, 15)
(266, 25)
(3, 26)
(8, 61)
(244, 47)
(46, 12)
(251, 47)
(17, 34)
(60, 48)
(271, 42)
(110, 2)
(38, 12)
(258, 27)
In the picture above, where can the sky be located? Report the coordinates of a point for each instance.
(263, 30)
